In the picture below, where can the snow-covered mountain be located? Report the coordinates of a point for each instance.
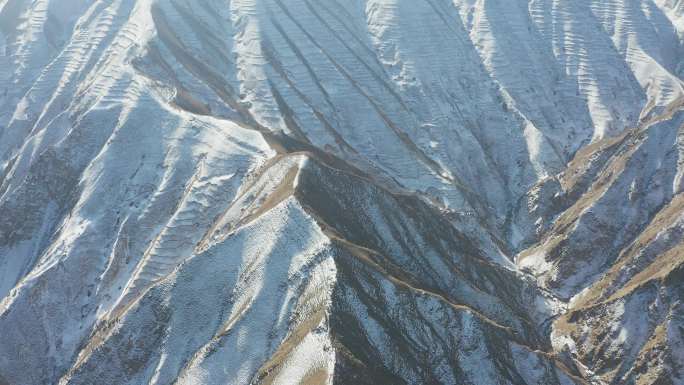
(341, 191)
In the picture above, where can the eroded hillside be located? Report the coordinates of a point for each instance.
(358, 191)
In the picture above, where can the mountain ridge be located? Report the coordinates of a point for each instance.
(388, 191)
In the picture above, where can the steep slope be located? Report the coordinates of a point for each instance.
(298, 191)
(613, 248)
(608, 196)
(612, 331)
(341, 305)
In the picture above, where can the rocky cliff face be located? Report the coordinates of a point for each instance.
(361, 191)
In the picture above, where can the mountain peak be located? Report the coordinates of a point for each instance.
(363, 191)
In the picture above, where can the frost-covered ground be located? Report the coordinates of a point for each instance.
(341, 191)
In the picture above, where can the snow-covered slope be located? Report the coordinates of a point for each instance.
(329, 191)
